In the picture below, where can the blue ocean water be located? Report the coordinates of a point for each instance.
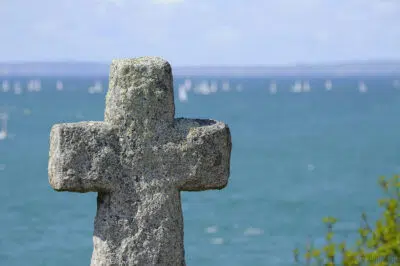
(296, 158)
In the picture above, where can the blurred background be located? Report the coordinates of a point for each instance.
(310, 90)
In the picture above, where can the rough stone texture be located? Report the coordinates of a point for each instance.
(138, 160)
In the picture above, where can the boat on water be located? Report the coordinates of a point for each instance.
(273, 88)
(226, 86)
(182, 93)
(202, 88)
(297, 87)
(59, 85)
(328, 85)
(17, 88)
(3, 128)
(214, 87)
(362, 87)
(34, 85)
(97, 88)
(5, 86)
(188, 84)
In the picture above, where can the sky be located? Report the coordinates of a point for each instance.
(200, 32)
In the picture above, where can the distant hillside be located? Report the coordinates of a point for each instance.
(339, 69)
(61, 69)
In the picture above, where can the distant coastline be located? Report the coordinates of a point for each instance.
(65, 69)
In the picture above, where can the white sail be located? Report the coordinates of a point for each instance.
(17, 88)
(38, 85)
(202, 88)
(34, 85)
(182, 93)
(273, 88)
(226, 86)
(97, 88)
(328, 85)
(214, 87)
(296, 88)
(362, 88)
(59, 85)
(3, 128)
(188, 84)
(5, 86)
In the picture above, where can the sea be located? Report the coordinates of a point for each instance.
(298, 155)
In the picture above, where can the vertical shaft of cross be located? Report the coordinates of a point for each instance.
(144, 229)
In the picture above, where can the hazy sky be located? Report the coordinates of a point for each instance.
(200, 32)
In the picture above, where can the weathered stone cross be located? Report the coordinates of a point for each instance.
(138, 160)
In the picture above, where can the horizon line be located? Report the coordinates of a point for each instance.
(299, 64)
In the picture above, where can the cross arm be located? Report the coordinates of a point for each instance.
(205, 154)
(83, 156)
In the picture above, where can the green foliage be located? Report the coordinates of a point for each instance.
(376, 246)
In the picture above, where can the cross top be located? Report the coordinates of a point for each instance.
(140, 93)
(138, 160)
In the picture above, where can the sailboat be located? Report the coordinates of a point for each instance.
(362, 87)
(34, 85)
(97, 88)
(38, 85)
(5, 86)
(202, 88)
(214, 87)
(3, 129)
(297, 87)
(188, 84)
(226, 86)
(59, 85)
(328, 85)
(30, 86)
(182, 93)
(273, 88)
(17, 88)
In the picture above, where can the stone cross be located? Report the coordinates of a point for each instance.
(138, 160)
